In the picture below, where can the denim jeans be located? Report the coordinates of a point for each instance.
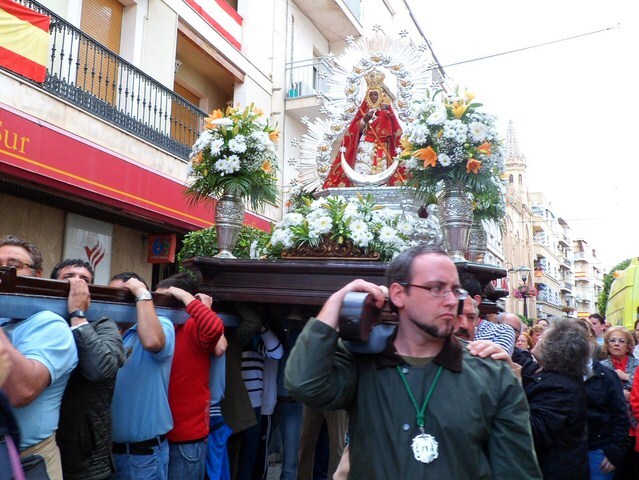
(217, 459)
(143, 467)
(249, 444)
(187, 460)
(289, 421)
(595, 458)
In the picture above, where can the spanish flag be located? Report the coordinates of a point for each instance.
(24, 40)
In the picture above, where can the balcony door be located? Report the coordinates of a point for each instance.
(185, 123)
(98, 70)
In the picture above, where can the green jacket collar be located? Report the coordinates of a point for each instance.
(450, 356)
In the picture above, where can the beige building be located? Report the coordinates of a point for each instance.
(553, 266)
(539, 250)
(517, 239)
(588, 278)
(96, 155)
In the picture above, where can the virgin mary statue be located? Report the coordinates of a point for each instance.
(371, 140)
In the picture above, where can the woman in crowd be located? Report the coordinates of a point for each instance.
(535, 334)
(557, 397)
(524, 342)
(607, 417)
(619, 345)
(632, 459)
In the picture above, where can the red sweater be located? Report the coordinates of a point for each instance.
(189, 392)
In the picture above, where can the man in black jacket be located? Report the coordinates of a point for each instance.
(84, 432)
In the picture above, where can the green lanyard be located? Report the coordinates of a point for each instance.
(421, 413)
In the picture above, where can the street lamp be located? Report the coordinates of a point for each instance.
(524, 273)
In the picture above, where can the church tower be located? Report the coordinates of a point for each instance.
(518, 245)
(515, 162)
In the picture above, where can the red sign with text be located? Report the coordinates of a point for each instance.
(43, 154)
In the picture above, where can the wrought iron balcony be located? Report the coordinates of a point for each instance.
(90, 76)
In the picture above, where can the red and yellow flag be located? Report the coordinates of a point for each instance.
(24, 40)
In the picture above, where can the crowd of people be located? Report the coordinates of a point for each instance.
(454, 394)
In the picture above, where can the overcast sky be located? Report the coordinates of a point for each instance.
(573, 103)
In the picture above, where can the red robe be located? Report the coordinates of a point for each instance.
(389, 133)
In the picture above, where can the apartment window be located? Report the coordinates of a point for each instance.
(102, 20)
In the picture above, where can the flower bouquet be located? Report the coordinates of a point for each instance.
(451, 143)
(236, 155)
(524, 291)
(379, 231)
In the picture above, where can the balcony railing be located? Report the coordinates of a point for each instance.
(90, 76)
(307, 77)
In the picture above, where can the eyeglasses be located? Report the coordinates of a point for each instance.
(12, 262)
(617, 340)
(439, 291)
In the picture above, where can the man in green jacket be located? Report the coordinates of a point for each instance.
(424, 407)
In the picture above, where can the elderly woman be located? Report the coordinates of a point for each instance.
(619, 344)
(607, 417)
(524, 342)
(557, 398)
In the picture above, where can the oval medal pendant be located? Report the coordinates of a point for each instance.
(424, 448)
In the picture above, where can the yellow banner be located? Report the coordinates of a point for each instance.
(23, 38)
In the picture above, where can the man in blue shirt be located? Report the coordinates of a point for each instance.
(140, 407)
(43, 354)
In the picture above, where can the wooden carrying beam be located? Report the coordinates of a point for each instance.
(22, 296)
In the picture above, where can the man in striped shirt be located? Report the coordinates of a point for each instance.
(479, 328)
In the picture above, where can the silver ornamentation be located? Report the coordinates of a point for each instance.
(425, 448)
(344, 92)
(456, 217)
(477, 242)
(229, 218)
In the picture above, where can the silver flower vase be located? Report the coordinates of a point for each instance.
(477, 242)
(456, 217)
(229, 218)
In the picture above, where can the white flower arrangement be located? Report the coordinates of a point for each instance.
(370, 226)
(235, 153)
(451, 140)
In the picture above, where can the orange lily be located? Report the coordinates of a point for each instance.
(473, 165)
(458, 109)
(484, 148)
(274, 136)
(406, 145)
(198, 158)
(214, 115)
(267, 167)
(428, 155)
(258, 111)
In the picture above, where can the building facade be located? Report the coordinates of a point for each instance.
(95, 157)
(588, 274)
(517, 239)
